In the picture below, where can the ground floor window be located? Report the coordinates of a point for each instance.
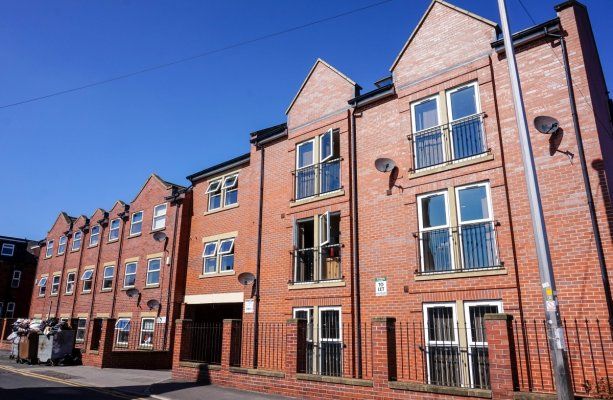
(122, 331)
(10, 309)
(146, 332)
(455, 343)
(81, 326)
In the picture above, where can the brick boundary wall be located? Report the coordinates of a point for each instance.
(382, 386)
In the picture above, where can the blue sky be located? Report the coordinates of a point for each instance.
(86, 149)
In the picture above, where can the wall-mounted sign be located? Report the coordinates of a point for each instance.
(161, 320)
(380, 286)
(249, 306)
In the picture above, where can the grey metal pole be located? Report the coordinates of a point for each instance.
(555, 332)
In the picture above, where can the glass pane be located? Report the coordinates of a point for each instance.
(478, 245)
(130, 280)
(137, 217)
(214, 201)
(153, 277)
(130, 268)
(148, 324)
(436, 250)
(433, 211)
(429, 149)
(226, 246)
(305, 182)
(477, 322)
(227, 262)
(326, 145)
(426, 115)
(441, 326)
(330, 325)
(154, 265)
(210, 264)
(463, 102)
(209, 248)
(330, 176)
(108, 272)
(231, 197)
(473, 203)
(305, 154)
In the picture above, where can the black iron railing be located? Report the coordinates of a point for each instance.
(467, 247)
(447, 143)
(317, 179)
(316, 264)
(271, 344)
(202, 342)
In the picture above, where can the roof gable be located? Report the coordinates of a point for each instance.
(154, 178)
(62, 222)
(425, 17)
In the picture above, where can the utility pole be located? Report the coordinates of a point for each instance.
(555, 333)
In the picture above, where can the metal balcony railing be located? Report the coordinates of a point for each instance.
(316, 264)
(467, 247)
(317, 179)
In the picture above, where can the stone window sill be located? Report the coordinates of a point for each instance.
(488, 156)
(135, 235)
(334, 379)
(217, 274)
(220, 209)
(157, 285)
(446, 390)
(316, 285)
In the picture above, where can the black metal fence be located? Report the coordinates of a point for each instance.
(317, 179)
(458, 140)
(202, 342)
(316, 264)
(270, 339)
(444, 354)
(139, 335)
(463, 248)
(590, 356)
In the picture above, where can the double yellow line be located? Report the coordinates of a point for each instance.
(69, 383)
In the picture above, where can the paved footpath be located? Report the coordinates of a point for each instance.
(30, 382)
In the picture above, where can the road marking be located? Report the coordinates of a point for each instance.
(70, 383)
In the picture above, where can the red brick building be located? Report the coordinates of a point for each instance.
(395, 271)
(118, 276)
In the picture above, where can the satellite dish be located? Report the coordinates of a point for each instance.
(153, 303)
(132, 292)
(384, 164)
(246, 278)
(546, 125)
(159, 236)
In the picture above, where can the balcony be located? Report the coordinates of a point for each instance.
(317, 179)
(469, 247)
(317, 264)
(449, 143)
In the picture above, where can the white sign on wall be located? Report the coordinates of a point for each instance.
(161, 320)
(381, 286)
(249, 306)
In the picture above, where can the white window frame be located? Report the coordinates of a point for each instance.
(90, 279)
(126, 274)
(93, 235)
(329, 132)
(142, 331)
(111, 229)
(61, 245)
(76, 243)
(105, 278)
(439, 343)
(320, 338)
(9, 309)
(490, 219)
(439, 227)
(324, 228)
(142, 217)
(70, 282)
(16, 277)
(161, 217)
(450, 119)
(149, 271)
(214, 243)
(311, 165)
(55, 285)
(8, 250)
(81, 328)
(228, 188)
(469, 342)
(42, 286)
(49, 248)
(416, 132)
(117, 329)
(221, 254)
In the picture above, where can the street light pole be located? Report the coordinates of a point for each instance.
(555, 334)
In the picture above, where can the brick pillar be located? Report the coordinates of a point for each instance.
(295, 346)
(181, 341)
(106, 342)
(383, 350)
(230, 342)
(501, 350)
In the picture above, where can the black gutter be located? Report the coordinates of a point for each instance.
(529, 34)
(373, 95)
(221, 167)
(268, 134)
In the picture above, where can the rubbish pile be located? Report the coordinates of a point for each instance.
(24, 326)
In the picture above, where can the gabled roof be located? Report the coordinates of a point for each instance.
(65, 217)
(167, 185)
(120, 202)
(423, 18)
(317, 62)
(221, 167)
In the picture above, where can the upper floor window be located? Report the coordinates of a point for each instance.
(318, 168)
(153, 271)
(81, 327)
(55, 284)
(136, 223)
(8, 249)
(61, 245)
(218, 256)
(87, 279)
(467, 234)
(223, 192)
(49, 249)
(16, 281)
(76, 240)
(159, 217)
(94, 235)
(130, 275)
(70, 278)
(107, 277)
(10, 309)
(114, 230)
(440, 137)
(42, 285)
(317, 249)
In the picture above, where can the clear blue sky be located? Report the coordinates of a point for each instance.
(86, 149)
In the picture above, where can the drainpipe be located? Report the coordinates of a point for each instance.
(103, 223)
(355, 273)
(258, 262)
(586, 180)
(124, 215)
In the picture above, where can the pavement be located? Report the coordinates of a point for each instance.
(22, 381)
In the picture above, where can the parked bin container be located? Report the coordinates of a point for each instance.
(14, 348)
(28, 349)
(53, 348)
